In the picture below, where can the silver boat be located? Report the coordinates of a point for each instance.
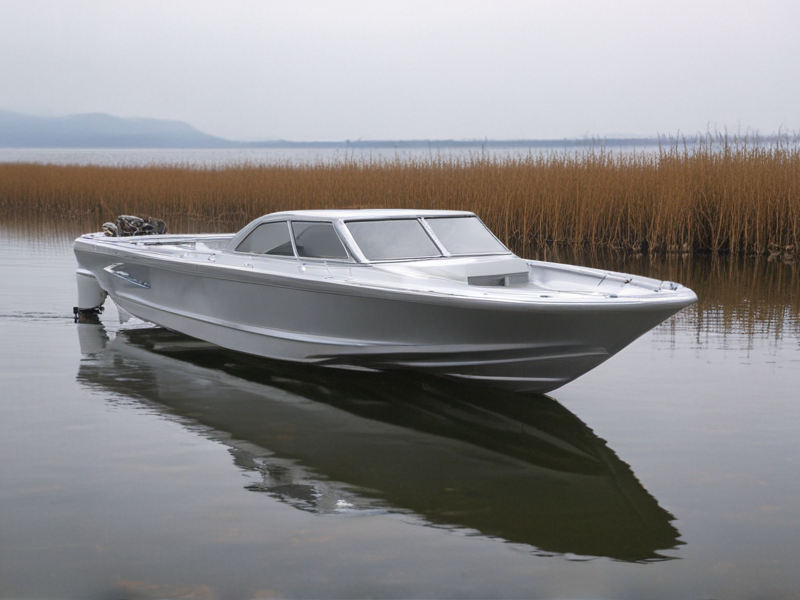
(374, 290)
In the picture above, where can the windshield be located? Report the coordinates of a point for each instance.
(465, 235)
(395, 239)
(404, 239)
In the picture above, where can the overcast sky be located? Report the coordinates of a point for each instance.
(327, 70)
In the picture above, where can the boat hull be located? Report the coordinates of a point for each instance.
(515, 345)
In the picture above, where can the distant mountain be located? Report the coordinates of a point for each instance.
(98, 130)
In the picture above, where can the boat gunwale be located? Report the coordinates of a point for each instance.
(490, 298)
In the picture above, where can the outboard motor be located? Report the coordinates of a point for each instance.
(90, 298)
(128, 225)
(90, 295)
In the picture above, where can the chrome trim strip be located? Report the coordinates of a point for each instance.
(111, 269)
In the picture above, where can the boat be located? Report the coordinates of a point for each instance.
(374, 290)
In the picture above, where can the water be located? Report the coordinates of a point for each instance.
(337, 151)
(141, 464)
(221, 157)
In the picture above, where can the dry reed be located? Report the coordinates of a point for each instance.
(741, 199)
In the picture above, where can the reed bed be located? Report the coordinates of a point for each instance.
(704, 198)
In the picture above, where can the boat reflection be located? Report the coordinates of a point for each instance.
(520, 468)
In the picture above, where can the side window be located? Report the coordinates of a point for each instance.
(317, 240)
(268, 238)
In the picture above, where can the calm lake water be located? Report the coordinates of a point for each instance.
(138, 463)
(220, 157)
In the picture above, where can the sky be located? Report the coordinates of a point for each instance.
(383, 70)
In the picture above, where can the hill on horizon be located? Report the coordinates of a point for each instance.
(100, 130)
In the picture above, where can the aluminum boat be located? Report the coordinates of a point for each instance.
(430, 291)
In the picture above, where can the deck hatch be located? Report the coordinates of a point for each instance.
(499, 280)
